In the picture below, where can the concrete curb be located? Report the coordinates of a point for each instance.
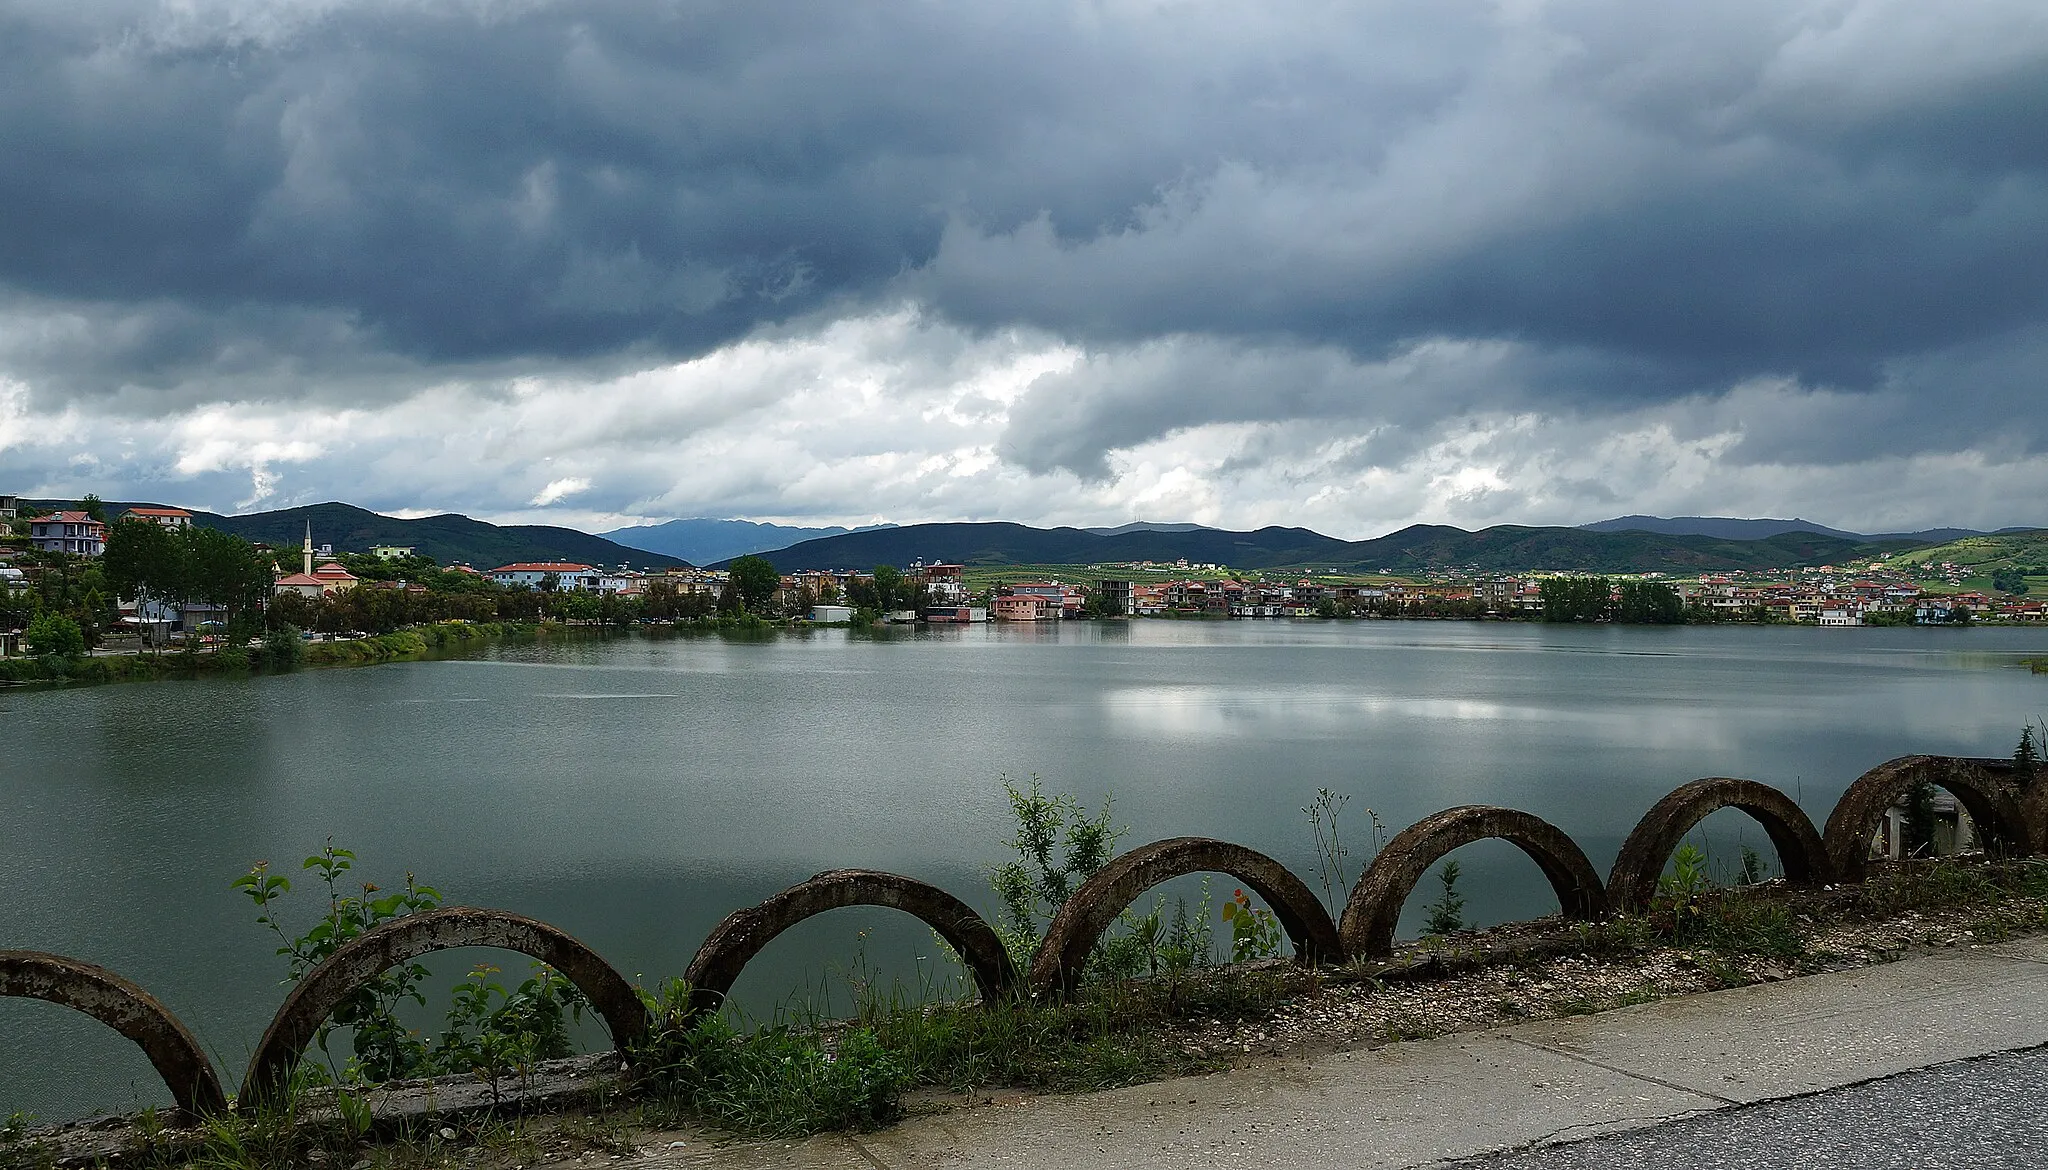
(1428, 1102)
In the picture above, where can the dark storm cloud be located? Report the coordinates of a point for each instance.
(1613, 203)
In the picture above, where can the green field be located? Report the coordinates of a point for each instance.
(1980, 557)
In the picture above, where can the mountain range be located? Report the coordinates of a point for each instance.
(1686, 544)
(700, 540)
(1417, 548)
(1732, 529)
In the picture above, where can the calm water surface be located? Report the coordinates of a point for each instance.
(635, 791)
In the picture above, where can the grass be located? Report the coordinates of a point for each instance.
(791, 1080)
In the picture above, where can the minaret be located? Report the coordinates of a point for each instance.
(309, 548)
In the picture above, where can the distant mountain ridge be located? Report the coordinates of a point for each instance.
(447, 538)
(1417, 548)
(701, 540)
(1148, 526)
(1731, 528)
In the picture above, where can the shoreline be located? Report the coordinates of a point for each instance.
(455, 638)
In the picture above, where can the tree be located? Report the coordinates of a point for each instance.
(754, 581)
(54, 635)
(294, 611)
(225, 570)
(801, 603)
(1575, 599)
(889, 591)
(2026, 757)
(147, 562)
(92, 506)
(1649, 603)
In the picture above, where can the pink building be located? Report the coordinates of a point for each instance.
(1023, 607)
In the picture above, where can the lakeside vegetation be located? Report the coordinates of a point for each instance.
(281, 650)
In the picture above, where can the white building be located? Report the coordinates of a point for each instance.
(172, 518)
(566, 575)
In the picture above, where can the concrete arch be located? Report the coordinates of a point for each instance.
(1080, 923)
(1375, 904)
(125, 1008)
(1983, 786)
(735, 941)
(1632, 884)
(381, 948)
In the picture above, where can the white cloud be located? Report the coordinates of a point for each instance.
(560, 489)
(896, 416)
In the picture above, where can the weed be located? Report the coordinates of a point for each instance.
(775, 1081)
(1743, 924)
(1683, 889)
(1254, 931)
(490, 1031)
(1447, 913)
(1332, 856)
(1057, 846)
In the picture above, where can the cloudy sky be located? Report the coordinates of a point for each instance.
(1349, 265)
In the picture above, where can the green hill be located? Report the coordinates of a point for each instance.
(2003, 562)
(1998, 550)
(448, 538)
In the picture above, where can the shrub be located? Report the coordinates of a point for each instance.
(284, 648)
(490, 1031)
(52, 635)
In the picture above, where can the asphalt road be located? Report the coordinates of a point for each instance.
(1987, 1112)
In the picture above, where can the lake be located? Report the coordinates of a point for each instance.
(634, 791)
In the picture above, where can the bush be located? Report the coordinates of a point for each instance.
(52, 635)
(284, 648)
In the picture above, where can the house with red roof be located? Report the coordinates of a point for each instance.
(76, 533)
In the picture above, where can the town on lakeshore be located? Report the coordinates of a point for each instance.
(89, 578)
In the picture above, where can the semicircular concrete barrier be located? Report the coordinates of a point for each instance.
(1375, 905)
(1632, 883)
(400, 940)
(125, 1008)
(743, 934)
(1088, 912)
(1983, 786)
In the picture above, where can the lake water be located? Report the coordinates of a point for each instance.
(635, 791)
